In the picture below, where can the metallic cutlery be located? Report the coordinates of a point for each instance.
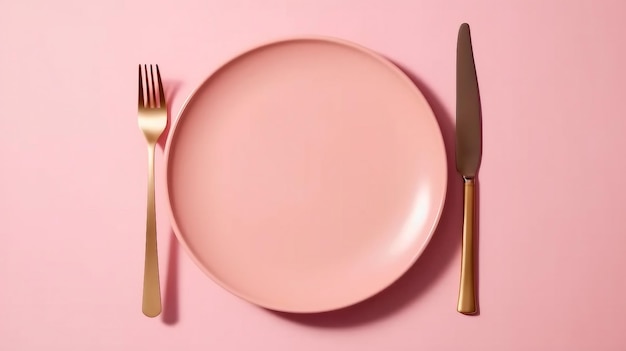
(152, 122)
(468, 155)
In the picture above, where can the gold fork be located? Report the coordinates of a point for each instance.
(152, 122)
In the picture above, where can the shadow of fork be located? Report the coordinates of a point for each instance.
(170, 313)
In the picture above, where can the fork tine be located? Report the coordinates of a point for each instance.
(148, 100)
(161, 92)
(154, 102)
(141, 102)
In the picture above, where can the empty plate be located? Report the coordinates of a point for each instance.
(306, 175)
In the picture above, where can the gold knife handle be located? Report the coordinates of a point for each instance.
(151, 305)
(467, 297)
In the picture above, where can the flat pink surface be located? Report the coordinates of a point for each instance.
(72, 189)
(306, 175)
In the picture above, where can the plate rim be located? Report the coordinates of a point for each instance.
(332, 40)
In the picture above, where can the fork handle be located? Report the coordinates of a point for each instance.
(151, 305)
(467, 297)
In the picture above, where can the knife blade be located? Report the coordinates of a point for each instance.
(468, 156)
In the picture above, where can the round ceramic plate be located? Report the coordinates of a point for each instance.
(306, 175)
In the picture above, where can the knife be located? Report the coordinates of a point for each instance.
(468, 154)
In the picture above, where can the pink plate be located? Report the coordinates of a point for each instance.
(306, 175)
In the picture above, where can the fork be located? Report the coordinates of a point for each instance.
(152, 122)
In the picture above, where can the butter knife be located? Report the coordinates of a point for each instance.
(468, 155)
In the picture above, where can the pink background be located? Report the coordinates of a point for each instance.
(72, 189)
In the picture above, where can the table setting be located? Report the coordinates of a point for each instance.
(319, 175)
